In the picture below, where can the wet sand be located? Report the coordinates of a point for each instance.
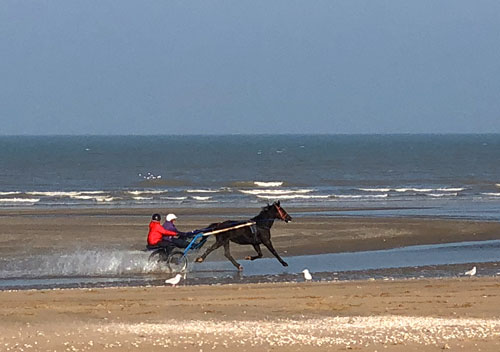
(409, 315)
(70, 229)
(405, 315)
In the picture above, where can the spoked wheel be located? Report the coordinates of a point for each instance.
(177, 262)
(159, 257)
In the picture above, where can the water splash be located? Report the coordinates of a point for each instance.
(79, 263)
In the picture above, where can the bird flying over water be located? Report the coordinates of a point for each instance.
(471, 272)
(307, 275)
(174, 280)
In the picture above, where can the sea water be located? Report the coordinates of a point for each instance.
(443, 175)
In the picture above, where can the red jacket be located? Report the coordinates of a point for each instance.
(156, 232)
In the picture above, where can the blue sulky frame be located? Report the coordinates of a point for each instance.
(195, 244)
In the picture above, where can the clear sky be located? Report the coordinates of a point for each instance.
(217, 67)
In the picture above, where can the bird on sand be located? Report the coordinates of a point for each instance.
(307, 275)
(471, 272)
(174, 280)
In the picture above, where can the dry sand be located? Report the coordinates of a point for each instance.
(412, 315)
(408, 315)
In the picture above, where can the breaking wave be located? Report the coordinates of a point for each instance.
(492, 194)
(359, 196)
(136, 193)
(439, 195)
(292, 196)
(268, 184)
(63, 194)
(275, 191)
(413, 189)
(201, 198)
(19, 200)
(204, 190)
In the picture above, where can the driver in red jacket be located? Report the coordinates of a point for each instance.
(156, 233)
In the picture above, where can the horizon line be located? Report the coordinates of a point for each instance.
(249, 134)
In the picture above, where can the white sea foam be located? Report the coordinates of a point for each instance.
(104, 199)
(275, 191)
(374, 189)
(427, 190)
(423, 190)
(174, 198)
(63, 193)
(54, 194)
(413, 189)
(93, 192)
(201, 198)
(96, 198)
(491, 194)
(293, 196)
(156, 191)
(360, 196)
(497, 184)
(142, 198)
(438, 195)
(19, 200)
(9, 193)
(202, 190)
(268, 184)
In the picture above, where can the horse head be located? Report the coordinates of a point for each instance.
(280, 213)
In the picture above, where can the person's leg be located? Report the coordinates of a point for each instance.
(164, 244)
(179, 242)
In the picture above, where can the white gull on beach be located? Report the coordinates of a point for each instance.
(471, 272)
(174, 280)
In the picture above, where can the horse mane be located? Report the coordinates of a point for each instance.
(262, 215)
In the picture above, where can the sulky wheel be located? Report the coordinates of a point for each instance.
(177, 262)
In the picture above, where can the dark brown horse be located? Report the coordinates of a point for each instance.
(257, 234)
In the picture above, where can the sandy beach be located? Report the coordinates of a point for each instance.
(411, 315)
(416, 315)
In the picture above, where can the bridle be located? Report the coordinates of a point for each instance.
(263, 222)
(280, 212)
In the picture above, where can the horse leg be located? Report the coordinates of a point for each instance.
(267, 242)
(259, 253)
(209, 250)
(228, 255)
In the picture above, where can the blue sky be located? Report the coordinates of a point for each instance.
(216, 67)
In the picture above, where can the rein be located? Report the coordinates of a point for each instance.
(280, 211)
(259, 222)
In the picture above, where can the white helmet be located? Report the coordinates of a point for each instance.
(171, 217)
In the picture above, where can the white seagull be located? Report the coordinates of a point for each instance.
(471, 272)
(174, 280)
(307, 275)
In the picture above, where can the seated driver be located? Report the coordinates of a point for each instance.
(180, 240)
(158, 236)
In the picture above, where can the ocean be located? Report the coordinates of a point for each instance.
(386, 175)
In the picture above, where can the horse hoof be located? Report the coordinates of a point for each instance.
(199, 260)
(240, 268)
(248, 257)
(284, 264)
